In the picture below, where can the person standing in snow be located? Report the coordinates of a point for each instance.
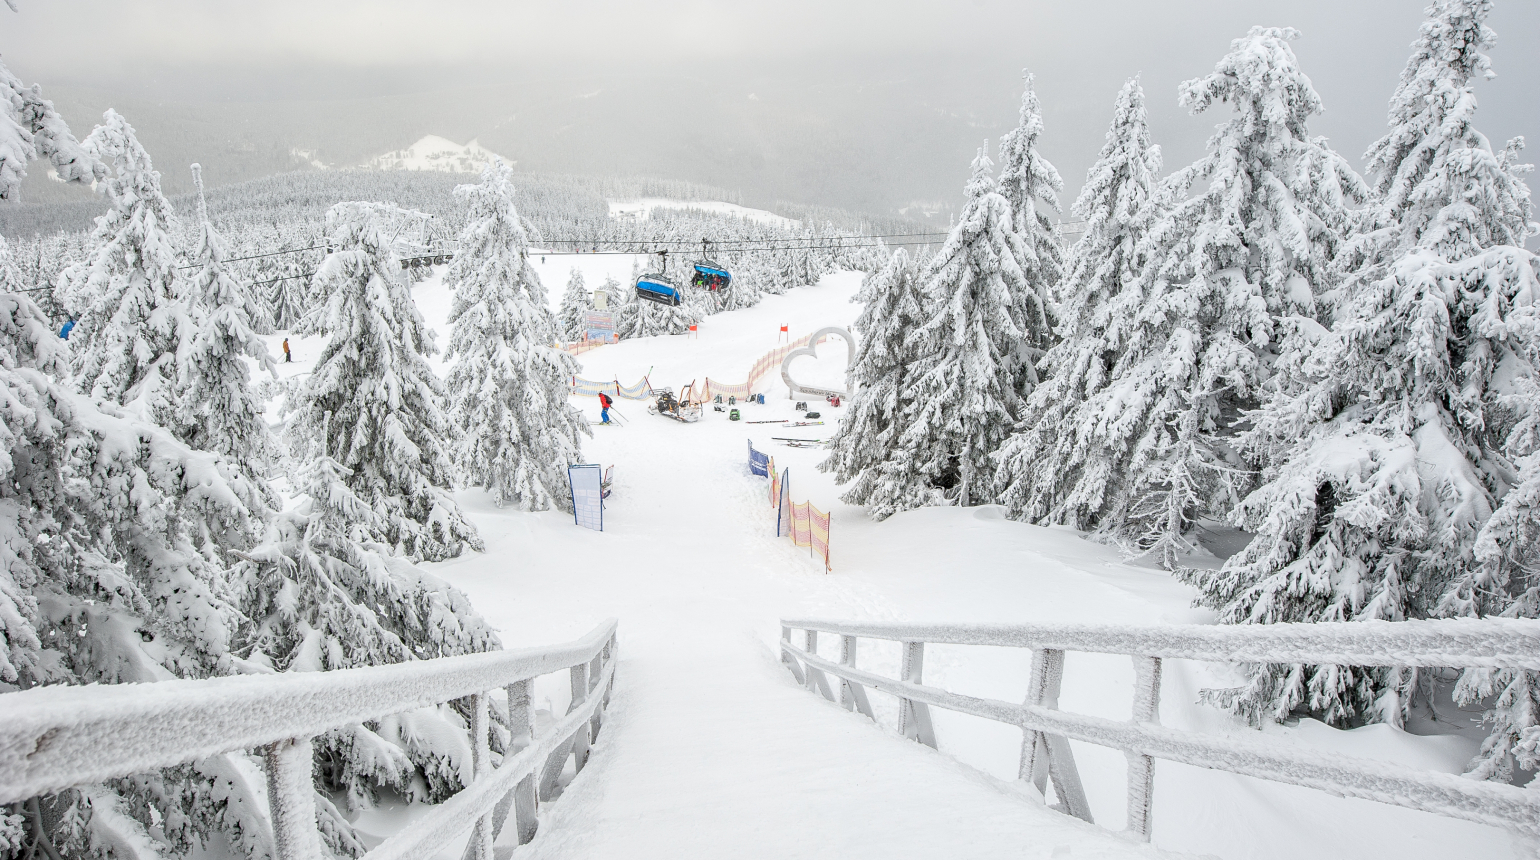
(64, 333)
(286, 356)
(604, 408)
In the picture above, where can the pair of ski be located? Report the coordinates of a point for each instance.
(788, 422)
(798, 443)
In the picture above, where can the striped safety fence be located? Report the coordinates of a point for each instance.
(591, 388)
(766, 363)
(804, 524)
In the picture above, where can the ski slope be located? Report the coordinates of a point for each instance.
(712, 750)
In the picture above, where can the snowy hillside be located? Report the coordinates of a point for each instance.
(641, 210)
(436, 154)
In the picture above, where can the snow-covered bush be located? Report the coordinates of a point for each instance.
(516, 433)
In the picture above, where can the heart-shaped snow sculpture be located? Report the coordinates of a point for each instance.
(812, 349)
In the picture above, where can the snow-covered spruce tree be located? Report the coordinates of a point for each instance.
(31, 128)
(131, 311)
(572, 322)
(372, 402)
(1394, 436)
(1026, 179)
(319, 594)
(1217, 271)
(1431, 123)
(866, 448)
(508, 385)
(112, 532)
(1056, 469)
(219, 409)
(966, 359)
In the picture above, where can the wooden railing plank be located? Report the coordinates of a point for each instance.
(1496, 804)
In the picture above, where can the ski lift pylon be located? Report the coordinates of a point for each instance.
(710, 274)
(656, 286)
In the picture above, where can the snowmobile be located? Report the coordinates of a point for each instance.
(680, 409)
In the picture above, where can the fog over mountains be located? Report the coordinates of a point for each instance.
(803, 104)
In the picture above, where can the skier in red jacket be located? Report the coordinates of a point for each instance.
(604, 408)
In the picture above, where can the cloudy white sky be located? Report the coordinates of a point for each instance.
(903, 90)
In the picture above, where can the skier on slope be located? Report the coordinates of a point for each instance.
(604, 408)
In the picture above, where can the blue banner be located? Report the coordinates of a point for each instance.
(759, 462)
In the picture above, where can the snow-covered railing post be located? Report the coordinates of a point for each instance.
(1141, 768)
(291, 799)
(852, 695)
(55, 738)
(480, 847)
(913, 716)
(1043, 754)
(1047, 731)
(521, 730)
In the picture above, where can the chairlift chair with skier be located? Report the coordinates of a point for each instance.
(656, 286)
(710, 274)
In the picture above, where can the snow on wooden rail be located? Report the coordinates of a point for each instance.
(1045, 754)
(52, 738)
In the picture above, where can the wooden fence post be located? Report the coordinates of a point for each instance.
(580, 739)
(790, 661)
(291, 798)
(852, 695)
(816, 680)
(914, 717)
(521, 726)
(480, 847)
(1141, 768)
(1044, 755)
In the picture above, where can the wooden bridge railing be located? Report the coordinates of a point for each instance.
(53, 738)
(1046, 730)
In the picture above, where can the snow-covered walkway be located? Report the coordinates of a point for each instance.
(711, 750)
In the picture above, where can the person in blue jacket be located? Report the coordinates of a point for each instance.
(64, 333)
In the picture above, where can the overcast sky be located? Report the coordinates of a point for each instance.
(852, 63)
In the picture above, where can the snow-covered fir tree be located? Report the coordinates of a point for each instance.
(1217, 271)
(31, 128)
(508, 385)
(1413, 166)
(1055, 469)
(220, 410)
(131, 311)
(319, 594)
(866, 447)
(114, 587)
(1027, 179)
(966, 365)
(1395, 435)
(576, 302)
(372, 402)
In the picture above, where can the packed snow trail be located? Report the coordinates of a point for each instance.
(711, 749)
